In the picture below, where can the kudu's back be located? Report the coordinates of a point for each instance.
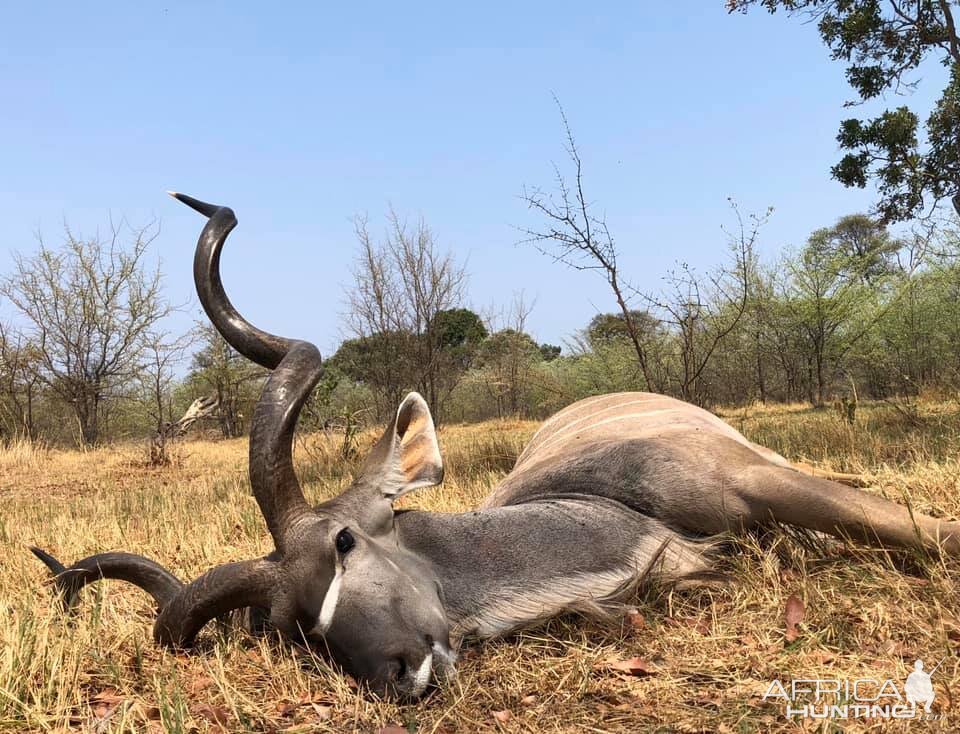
(619, 417)
(626, 446)
(685, 467)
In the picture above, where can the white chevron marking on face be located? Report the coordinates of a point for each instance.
(329, 605)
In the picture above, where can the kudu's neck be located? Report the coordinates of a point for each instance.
(502, 568)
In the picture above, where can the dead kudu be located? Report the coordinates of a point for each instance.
(611, 490)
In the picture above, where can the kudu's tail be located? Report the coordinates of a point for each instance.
(134, 569)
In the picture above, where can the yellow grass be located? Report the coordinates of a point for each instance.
(23, 454)
(711, 653)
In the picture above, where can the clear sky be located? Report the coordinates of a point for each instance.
(302, 115)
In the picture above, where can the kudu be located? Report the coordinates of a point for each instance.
(611, 490)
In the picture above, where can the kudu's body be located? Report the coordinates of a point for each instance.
(618, 487)
(612, 490)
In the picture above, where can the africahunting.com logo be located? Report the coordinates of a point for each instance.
(860, 698)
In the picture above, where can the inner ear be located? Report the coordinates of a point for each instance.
(407, 456)
(419, 452)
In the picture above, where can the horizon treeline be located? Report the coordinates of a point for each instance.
(854, 312)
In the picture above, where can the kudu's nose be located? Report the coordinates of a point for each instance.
(444, 661)
(413, 677)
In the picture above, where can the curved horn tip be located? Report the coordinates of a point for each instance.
(208, 210)
(49, 561)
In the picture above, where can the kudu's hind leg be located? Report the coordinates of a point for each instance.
(819, 504)
(851, 480)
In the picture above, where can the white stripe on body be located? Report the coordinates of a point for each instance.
(700, 420)
(558, 436)
(533, 446)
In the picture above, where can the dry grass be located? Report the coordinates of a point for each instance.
(710, 654)
(22, 454)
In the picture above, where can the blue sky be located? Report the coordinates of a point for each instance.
(300, 116)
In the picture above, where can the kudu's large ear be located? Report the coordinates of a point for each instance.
(407, 456)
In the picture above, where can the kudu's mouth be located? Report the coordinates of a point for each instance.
(407, 678)
(262, 583)
(437, 667)
(442, 665)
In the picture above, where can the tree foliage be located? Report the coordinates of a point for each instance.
(19, 384)
(883, 44)
(221, 371)
(410, 329)
(89, 307)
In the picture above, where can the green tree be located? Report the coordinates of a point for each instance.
(457, 334)
(883, 45)
(457, 327)
(219, 369)
(605, 328)
(549, 352)
(405, 302)
(389, 363)
(381, 361)
(917, 342)
(509, 356)
(860, 242)
(827, 295)
(89, 307)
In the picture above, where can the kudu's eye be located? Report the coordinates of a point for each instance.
(344, 541)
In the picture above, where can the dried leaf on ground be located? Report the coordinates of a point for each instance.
(633, 666)
(108, 696)
(214, 714)
(200, 683)
(793, 614)
(635, 620)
